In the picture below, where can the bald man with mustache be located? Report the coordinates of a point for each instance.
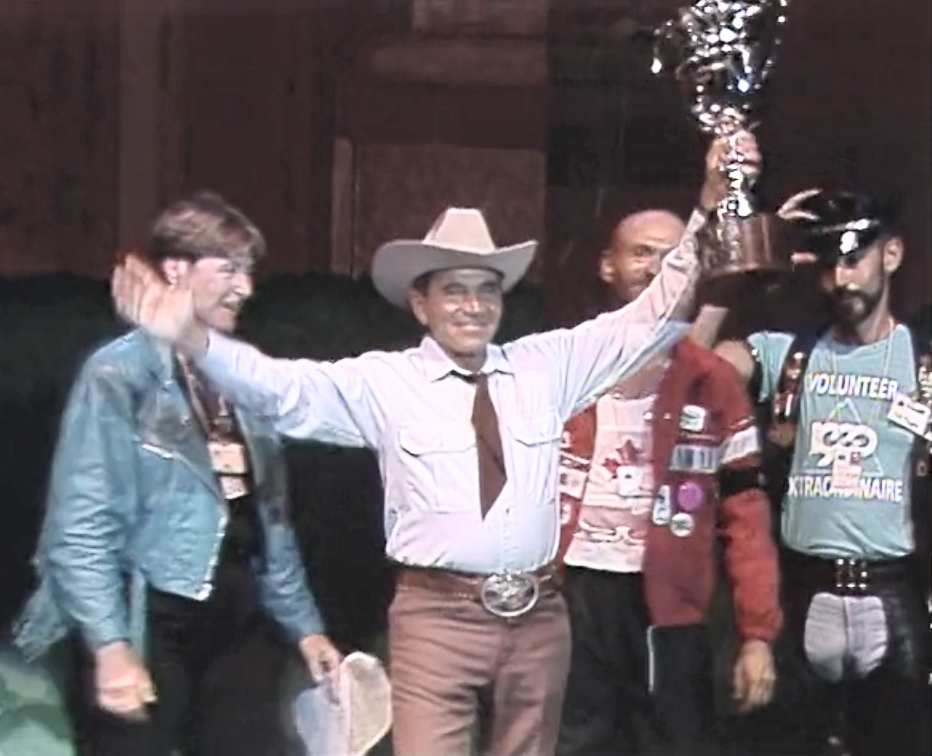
(648, 474)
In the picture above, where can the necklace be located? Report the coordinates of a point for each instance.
(888, 354)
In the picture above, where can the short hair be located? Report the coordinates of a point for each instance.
(204, 225)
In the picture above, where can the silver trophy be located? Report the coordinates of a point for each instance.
(721, 53)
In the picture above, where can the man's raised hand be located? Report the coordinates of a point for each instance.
(144, 298)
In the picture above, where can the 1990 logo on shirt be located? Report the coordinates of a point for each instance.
(830, 440)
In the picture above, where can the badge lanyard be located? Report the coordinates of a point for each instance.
(227, 456)
(846, 468)
(213, 426)
(888, 354)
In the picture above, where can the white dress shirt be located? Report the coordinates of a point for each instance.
(413, 410)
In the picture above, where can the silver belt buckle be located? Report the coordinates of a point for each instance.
(851, 575)
(510, 594)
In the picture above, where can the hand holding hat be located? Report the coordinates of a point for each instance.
(355, 718)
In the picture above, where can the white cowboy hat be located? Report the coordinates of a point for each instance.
(349, 718)
(459, 238)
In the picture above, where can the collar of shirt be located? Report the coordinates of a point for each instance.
(438, 365)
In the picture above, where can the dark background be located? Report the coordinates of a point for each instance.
(340, 124)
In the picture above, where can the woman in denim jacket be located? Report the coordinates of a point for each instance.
(166, 533)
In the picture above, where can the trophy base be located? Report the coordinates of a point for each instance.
(738, 246)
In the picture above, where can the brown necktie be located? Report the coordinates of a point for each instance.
(488, 444)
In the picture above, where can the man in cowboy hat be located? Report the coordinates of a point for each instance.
(850, 422)
(467, 434)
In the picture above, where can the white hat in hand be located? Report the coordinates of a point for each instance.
(349, 712)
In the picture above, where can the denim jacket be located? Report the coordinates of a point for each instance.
(132, 502)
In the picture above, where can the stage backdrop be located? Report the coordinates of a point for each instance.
(338, 124)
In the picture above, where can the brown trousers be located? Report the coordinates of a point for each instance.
(442, 650)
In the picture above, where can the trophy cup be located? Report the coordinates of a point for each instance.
(721, 53)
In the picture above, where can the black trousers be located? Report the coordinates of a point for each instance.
(610, 706)
(217, 667)
(886, 712)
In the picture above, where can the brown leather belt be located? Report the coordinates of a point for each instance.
(505, 595)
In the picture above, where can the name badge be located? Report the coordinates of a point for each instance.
(227, 458)
(910, 414)
(663, 507)
(233, 487)
(692, 418)
(694, 458)
(846, 474)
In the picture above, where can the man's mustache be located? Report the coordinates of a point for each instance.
(847, 294)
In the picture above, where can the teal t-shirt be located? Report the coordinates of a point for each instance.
(849, 483)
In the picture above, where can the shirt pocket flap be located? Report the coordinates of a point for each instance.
(533, 430)
(436, 438)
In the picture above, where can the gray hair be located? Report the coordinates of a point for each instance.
(205, 225)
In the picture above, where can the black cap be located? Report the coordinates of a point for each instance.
(845, 224)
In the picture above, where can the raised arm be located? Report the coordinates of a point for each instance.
(594, 356)
(305, 399)
(318, 401)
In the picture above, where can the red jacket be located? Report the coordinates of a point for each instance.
(720, 436)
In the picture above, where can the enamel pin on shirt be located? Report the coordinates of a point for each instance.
(663, 507)
(689, 496)
(692, 418)
(682, 524)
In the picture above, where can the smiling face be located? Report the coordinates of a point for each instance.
(639, 244)
(220, 288)
(462, 309)
(213, 246)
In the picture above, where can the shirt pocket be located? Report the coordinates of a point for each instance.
(439, 466)
(535, 457)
